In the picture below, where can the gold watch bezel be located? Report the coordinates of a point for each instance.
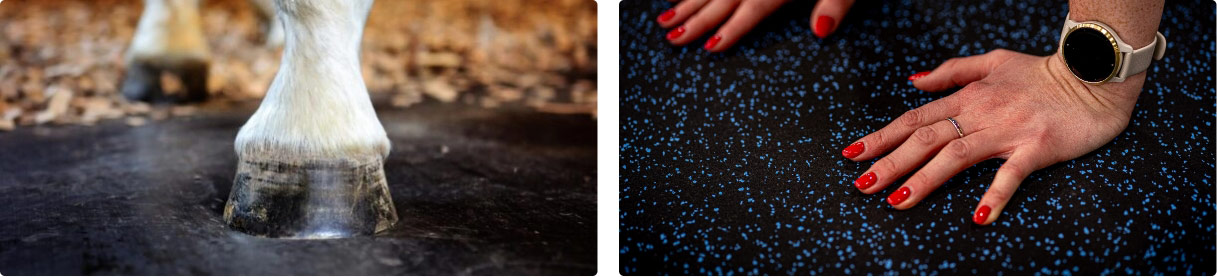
(1115, 49)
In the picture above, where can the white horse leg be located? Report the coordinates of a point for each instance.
(272, 29)
(169, 38)
(311, 157)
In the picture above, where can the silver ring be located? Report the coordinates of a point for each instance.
(956, 124)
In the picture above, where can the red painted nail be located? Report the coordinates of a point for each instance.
(914, 77)
(853, 150)
(675, 33)
(865, 181)
(824, 25)
(899, 196)
(713, 41)
(981, 215)
(667, 15)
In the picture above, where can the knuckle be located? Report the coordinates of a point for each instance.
(1043, 136)
(924, 136)
(920, 178)
(951, 63)
(1014, 170)
(912, 118)
(763, 5)
(1040, 136)
(876, 139)
(1000, 194)
(959, 149)
(887, 165)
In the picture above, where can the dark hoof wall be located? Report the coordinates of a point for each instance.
(142, 81)
(310, 199)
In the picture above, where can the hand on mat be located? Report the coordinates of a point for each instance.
(691, 19)
(1027, 110)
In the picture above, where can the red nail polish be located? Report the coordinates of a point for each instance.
(675, 33)
(865, 181)
(914, 77)
(981, 215)
(824, 25)
(899, 196)
(667, 15)
(853, 150)
(713, 41)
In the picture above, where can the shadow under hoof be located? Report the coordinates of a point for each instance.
(313, 199)
(142, 80)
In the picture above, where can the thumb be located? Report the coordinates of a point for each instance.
(958, 72)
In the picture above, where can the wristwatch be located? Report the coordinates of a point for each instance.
(1096, 55)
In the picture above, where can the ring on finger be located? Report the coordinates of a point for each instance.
(956, 124)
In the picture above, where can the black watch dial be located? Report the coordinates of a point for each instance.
(1089, 55)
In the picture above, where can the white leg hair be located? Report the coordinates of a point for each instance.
(317, 107)
(272, 29)
(169, 38)
(311, 158)
(169, 31)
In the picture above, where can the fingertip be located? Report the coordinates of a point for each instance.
(919, 80)
(675, 34)
(853, 150)
(666, 16)
(918, 75)
(898, 197)
(824, 25)
(713, 42)
(982, 215)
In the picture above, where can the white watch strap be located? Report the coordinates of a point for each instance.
(1134, 61)
(1138, 60)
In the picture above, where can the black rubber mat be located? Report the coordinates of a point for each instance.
(477, 192)
(731, 163)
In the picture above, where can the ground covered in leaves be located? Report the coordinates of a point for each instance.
(61, 61)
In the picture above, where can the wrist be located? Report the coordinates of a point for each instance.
(1129, 89)
(1136, 23)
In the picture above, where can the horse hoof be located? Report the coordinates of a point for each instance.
(310, 199)
(142, 81)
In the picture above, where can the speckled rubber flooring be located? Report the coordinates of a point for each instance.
(730, 163)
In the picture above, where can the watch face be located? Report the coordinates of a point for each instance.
(1089, 54)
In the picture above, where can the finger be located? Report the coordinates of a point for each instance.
(898, 130)
(707, 18)
(958, 72)
(1009, 176)
(827, 14)
(911, 154)
(677, 15)
(747, 16)
(956, 156)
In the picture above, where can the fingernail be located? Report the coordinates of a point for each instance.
(667, 15)
(824, 25)
(865, 181)
(899, 196)
(713, 41)
(981, 215)
(853, 150)
(675, 33)
(914, 77)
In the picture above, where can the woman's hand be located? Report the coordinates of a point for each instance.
(693, 18)
(1028, 110)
